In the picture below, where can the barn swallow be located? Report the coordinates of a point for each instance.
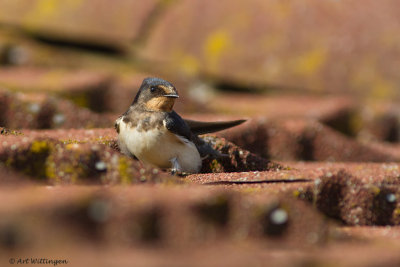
(153, 132)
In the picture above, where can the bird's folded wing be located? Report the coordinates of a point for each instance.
(175, 124)
(202, 127)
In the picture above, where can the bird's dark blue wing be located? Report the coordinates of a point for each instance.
(175, 124)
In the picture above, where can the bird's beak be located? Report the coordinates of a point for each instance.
(172, 95)
(170, 92)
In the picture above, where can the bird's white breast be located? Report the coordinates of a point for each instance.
(159, 147)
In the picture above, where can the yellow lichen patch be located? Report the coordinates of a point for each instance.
(33, 160)
(375, 190)
(74, 3)
(104, 141)
(72, 171)
(367, 77)
(72, 146)
(46, 7)
(396, 212)
(168, 2)
(70, 141)
(80, 99)
(296, 193)
(251, 190)
(123, 170)
(356, 122)
(389, 38)
(50, 171)
(39, 146)
(42, 11)
(310, 62)
(273, 41)
(216, 44)
(382, 89)
(5, 131)
(282, 9)
(52, 80)
(215, 166)
(189, 65)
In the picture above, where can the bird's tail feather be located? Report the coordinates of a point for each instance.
(200, 127)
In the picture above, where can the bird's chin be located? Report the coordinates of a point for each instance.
(161, 104)
(167, 107)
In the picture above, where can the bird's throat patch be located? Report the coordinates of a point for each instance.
(161, 103)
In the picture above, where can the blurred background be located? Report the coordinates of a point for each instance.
(336, 62)
(318, 80)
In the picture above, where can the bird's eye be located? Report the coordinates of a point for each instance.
(152, 89)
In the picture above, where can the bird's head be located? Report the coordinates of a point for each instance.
(156, 94)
